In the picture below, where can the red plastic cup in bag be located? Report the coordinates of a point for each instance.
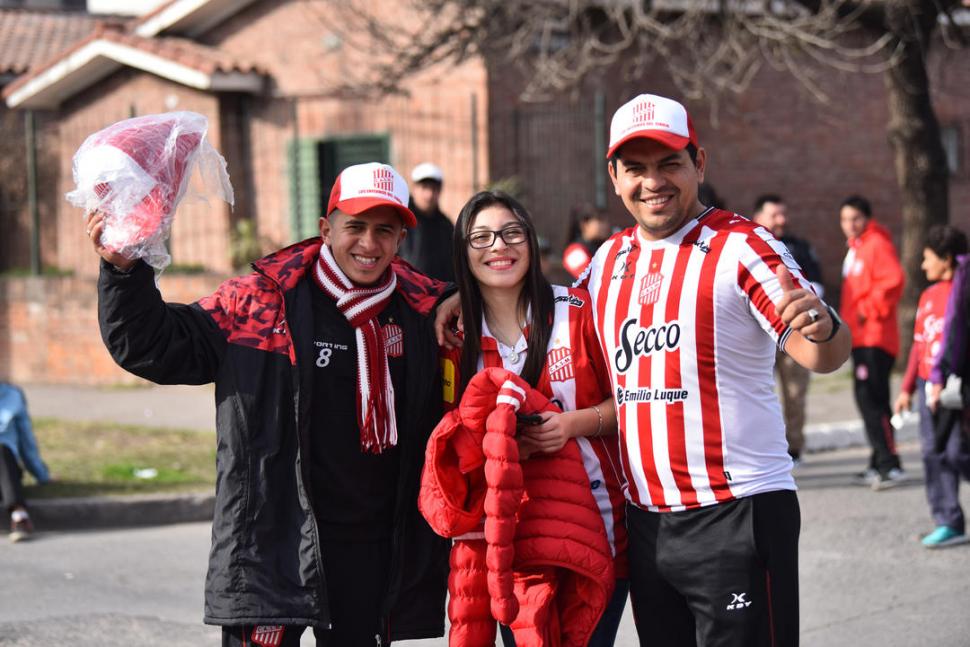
(136, 172)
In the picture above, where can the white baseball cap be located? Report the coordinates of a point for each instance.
(427, 171)
(364, 186)
(653, 117)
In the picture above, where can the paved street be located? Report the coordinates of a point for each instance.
(866, 581)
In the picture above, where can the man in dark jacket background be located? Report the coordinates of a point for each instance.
(429, 244)
(319, 446)
(771, 212)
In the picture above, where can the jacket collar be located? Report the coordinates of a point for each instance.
(289, 265)
(872, 230)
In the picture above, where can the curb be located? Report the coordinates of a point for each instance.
(120, 511)
(829, 436)
(161, 509)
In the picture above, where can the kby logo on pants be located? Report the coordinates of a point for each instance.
(738, 602)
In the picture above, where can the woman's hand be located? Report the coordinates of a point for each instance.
(552, 434)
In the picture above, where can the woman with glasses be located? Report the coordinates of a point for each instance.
(514, 319)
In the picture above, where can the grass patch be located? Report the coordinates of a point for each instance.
(93, 459)
(47, 270)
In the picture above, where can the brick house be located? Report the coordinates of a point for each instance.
(284, 133)
(265, 75)
(27, 39)
(269, 76)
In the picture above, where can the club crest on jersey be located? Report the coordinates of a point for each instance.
(393, 340)
(636, 341)
(267, 635)
(650, 288)
(560, 365)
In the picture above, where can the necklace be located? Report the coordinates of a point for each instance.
(509, 353)
(506, 350)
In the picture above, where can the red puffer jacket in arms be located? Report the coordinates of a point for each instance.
(542, 564)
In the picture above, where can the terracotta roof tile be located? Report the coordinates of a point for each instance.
(30, 38)
(181, 50)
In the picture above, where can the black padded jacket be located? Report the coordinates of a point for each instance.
(265, 563)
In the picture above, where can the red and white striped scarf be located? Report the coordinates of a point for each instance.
(361, 305)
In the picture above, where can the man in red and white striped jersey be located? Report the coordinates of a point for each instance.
(690, 305)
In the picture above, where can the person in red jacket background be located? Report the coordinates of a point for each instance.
(872, 283)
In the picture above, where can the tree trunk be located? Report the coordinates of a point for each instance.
(914, 135)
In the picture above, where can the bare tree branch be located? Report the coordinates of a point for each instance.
(710, 47)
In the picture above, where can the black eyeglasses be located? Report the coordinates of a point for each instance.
(485, 238)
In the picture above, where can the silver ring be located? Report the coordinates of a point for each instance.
(813, 314)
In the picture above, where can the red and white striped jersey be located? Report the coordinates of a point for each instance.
(575, 377)
(689, 329)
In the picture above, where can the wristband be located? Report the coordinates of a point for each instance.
(836, 324)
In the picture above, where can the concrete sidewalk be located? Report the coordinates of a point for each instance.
(833, 420)
(833, 423)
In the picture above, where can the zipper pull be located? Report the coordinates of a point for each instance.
(377, 639)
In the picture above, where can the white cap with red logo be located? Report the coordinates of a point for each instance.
(365, 186)
(652, 117)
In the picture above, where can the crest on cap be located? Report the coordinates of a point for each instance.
(365, 186)
(653, 117)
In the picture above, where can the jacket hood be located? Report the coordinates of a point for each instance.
(872, 230)
(289, 265)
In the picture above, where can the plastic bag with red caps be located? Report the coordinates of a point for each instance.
(137, 171)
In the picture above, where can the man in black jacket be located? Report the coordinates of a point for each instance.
(771, 212)
(321, 422)
(429, 244)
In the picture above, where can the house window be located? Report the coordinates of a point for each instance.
(951, 147)
(314, 167)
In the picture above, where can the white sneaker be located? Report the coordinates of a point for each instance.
(895, 476)
(20, 526)
(866, 477)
